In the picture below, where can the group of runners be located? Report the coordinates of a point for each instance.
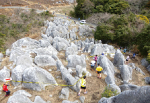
(98, 70)
(129, 56)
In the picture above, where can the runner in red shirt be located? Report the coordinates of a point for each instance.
(5, 89)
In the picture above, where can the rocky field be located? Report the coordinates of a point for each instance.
(48, 70)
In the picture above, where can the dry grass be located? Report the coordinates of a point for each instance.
(99, 18)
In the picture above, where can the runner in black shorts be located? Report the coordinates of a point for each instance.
(83, 85)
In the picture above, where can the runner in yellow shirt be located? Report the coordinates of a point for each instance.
(83, 85)
(99, 71)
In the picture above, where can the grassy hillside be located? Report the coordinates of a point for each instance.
(20, 24)
(25, 2)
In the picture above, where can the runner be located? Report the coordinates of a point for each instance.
(95, 58)
(92, 64)
(124, 51)
(83, 85)
(5, 89)
(127, 59)
(133, 55)
(99, 71)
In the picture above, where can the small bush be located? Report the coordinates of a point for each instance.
(144, 18)
(148, 56)
(108, 92)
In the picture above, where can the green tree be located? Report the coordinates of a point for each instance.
(143, 40)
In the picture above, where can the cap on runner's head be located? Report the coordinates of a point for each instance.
(84, 77)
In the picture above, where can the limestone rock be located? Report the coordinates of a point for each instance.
(44, 60)
(148, 68)
(8, 52)
(79, 71)
(38, 99)
(72, 50)
(82, 98)
(119, 58)
(144, 62)
(128, 87)
(88, 47)
(108, 69)
(17, 98)
(99, 48)
(64, 93)
(26, 43)
(138, 95)
(114, 87)
(4, 73)
(126, 72)
(17, 74)
(22, 92)
(147, 80)
(1, 56)
(24, 60)
(139, 70)
(44, 43)
(58, 64)
(39, 77)
(74, 60)
(70, 80)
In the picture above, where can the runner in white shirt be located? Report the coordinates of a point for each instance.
(127, 59)
(92, 64)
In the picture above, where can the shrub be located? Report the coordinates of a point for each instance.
(148, 56)
(102, 33)
(142, 40)
(144, 18)
(108, 92)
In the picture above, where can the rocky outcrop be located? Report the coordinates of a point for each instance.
(147, 80)
(58, 64)
(82, 98)
(44, 43)
(88, 47)
(70, 80)
(119, 58)
(126, 73)
(108, 69)
(24, 60)
(99, 48)
(64, 93)
(60, 43)
(8, 52)
(22, 92)
(38, 99)
(44, 60)
(66, 101)
(125, 87)
(144, 62)
(17, 73)
(21, 96)
(1, 56)
(4, 73)
(39, 77)
(74, 60)
(138, 95)
(72, 50)
(17, 98)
